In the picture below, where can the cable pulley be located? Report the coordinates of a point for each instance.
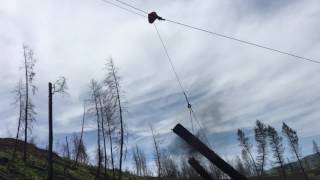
(154, 16)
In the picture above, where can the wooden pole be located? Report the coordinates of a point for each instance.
(207, 152)
(50, 168)
(201, 171)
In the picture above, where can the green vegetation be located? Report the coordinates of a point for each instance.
(35, 167)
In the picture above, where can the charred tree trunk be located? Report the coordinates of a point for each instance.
(157, 152)
(111, 147)
(19, 124)
(99, 148)
(104, 139)
(26, 108)
(83, 117)
(68, 150)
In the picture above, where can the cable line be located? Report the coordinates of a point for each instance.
(123, 8)
(127, 4)
(243, 41)
(179, 82)
(219, 34)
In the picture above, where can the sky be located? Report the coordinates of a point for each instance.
(230, 84)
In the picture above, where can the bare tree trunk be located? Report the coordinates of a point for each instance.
(300, 164)
(111, 148)
(50, 168)
(104, 139)
(99, 149)
(26, 107)
(83, 117)
(157, 152)
(68, 150)
(19, 124)
(121, 120)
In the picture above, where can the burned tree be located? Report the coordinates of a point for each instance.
(293, 140)
(29, 63)
(316, 149)
(80, 148)
(140, 161)
(261, 135)
(112, 81)
(109, 111)
(18, 101)
(67, 148)
(79, 153)
(95, 89)
(59, 86)
(101, 108)
(246, 149)
(275, 142)
(157, 152)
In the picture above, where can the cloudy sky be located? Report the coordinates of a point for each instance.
(230, 84)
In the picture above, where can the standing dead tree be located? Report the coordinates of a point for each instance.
(80, 147)
(261, 135)
(95, 89)
(316, 149)
(246, 149)
(59, 86)
(157, 152)
(112, 81)
(101, 108)
(109, 112)
(18, 101)
(275, 142)
(68, 149)
(293, 140)
(29, 63)
(79, 150)
(140, 161)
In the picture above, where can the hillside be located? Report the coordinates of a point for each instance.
(35, 168)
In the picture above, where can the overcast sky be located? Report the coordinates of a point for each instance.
(230, 84)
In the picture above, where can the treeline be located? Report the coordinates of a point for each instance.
(270, 146)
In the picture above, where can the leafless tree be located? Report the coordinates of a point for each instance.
(95, 89)
(239, 166)
(261, 135)
(81, 150)
(18, 101)
(101, 108)
(169, 168)
(29, 63)
(246, 149)
(59, 86)
(275, 142)
(140, 162)
(113, 82)
(109, 112)
(157, 152)
(67, 148)
(293, 140)
(316, 149)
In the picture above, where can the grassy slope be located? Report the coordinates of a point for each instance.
(35, 168)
